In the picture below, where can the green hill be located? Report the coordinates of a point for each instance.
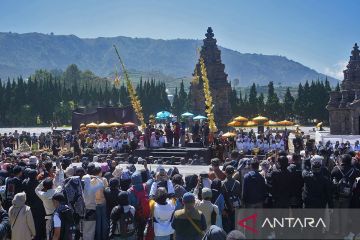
(169, 60)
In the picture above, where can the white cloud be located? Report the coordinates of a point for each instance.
(336, 70)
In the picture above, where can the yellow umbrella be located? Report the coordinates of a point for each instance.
(115, 124)
(241, 119)
(285, 123)
(129, 124)
(271, 123)
(92, 125)
(229, 134)
(103, 125)
(250, 124)
(260, 119)
(234, 124)
(319, 125)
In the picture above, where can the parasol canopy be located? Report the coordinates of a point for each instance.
(129, 124)
(234, 124)
(250, 124)
(271, 123)
(115, 124)
(163, 115)
(285, 123)
(199, 117)
(103, 125)
(260, 119)
(82, 125)
(319, 125)
(92, 125)
(187, 114)
(229, 134)
(241, 119)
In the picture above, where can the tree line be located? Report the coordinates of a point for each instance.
(47, 97)
(308, 105)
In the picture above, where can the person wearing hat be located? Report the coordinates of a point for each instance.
(210, 211)
(62, 219)
(189, 223)
(21, 219)
(232, 193)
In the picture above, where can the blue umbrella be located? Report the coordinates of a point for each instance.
(199, 117)
(163, 115)
(187, 114)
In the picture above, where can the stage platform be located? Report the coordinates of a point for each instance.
(177, 152)
(325, 136)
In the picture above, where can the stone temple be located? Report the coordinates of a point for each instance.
(219, 86)
(344, 105)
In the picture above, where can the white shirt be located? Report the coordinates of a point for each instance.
(162, 215)
(57, 220)
(170, 188)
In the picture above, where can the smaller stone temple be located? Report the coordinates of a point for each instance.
(219, 86)
(344, 105)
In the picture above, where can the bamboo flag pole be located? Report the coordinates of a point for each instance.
(135, 102)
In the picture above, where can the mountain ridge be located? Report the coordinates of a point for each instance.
(23, 53)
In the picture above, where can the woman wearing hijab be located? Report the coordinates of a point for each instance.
(217, 196)
(21, 219)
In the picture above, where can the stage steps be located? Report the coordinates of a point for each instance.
(178, 153)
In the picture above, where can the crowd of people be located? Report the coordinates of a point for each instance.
(94, 196)
(50, 197)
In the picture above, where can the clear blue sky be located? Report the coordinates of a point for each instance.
(317, 33)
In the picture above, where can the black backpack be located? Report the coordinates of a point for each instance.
(344, 186)
(125, 226)
(67, 223)
(234, 200)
